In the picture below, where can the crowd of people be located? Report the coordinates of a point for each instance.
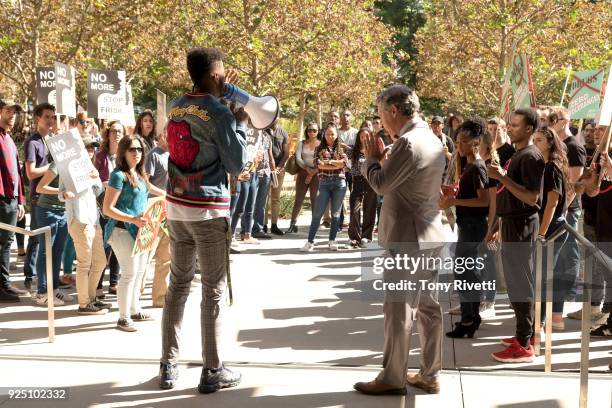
(510, 183)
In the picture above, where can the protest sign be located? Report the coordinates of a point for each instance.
(65, 90)
(72, 160)
(522, 86)
(160, 113)
(128, 108)
(604, 116)
(253, 142)
(585, 94)
(106, 94)
(45, 85)
(155, 213)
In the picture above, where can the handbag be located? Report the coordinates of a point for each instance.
(291, 166)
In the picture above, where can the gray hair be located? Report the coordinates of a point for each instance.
(402, 97)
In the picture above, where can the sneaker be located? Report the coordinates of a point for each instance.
(602, 331)
(98, 303)
(261, 235)
(308, 247)
(41, 300)
(275, 230)
(333, 246)
(168, 375)
(100, 294)
(213, 380)
(599, 318)
(126, 325)
(141, 317)
(234, 251)
(515, 353)
(510, 340)
(91, 309)
(63, 296)
(487, 310)
(15, 291)
(65, 282)
(251, 240)
(8, 297)
(364, 241)
(558, 326)
(455, 311)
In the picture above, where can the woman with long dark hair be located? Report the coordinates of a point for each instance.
(362, 196)
(306, 179)
(145, 128)
(472, 205)
(330, 160)
(124, 203)
(555, 191)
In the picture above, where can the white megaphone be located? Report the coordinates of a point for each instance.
(262, 110)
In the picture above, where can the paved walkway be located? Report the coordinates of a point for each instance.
(300, 333)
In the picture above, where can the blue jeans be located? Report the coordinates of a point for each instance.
(330, 188)
(9, 211)
(234, 200)
(561, 286)
(263, 187)
(69, 256)
(59, 231)
(569, 257)
(245, 204)
(29, 263)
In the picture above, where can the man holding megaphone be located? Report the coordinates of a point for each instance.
(206, 141)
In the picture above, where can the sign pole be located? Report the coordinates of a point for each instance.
(567, 78)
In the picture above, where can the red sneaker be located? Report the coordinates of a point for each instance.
(508, 342)
(515, 354)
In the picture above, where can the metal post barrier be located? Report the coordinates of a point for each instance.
(550, 253)
(586, 334)
(538, 299)
(50, 296)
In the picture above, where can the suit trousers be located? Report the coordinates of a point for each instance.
(401, 311)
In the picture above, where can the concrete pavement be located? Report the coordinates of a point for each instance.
(300, 333)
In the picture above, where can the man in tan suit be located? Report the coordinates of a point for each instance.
(409, 179)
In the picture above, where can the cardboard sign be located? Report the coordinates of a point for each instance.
(253, 144)
(128, 109)
(72, 161)
(45, 85)
(585, 94)
(522, 86)
(65, 90)
(155, 213)
(161, 116)
(106, 94)
(604, 116)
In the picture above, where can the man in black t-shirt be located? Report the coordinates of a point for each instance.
(569, 258)
(518, 202)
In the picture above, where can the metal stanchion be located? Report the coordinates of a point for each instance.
(550, 253)
(586, 334)
(50, 294)
(47, 233)
(538, 298)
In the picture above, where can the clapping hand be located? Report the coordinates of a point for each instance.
(374, 146)
(495, 172)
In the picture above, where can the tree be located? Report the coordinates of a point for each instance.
(465, 47)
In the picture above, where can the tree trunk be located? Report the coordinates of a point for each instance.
(319, 111)
(302, 114)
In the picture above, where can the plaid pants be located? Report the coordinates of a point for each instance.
(208, 240)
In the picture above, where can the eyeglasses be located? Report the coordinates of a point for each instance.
(135, 149)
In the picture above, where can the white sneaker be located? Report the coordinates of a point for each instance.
(63, 296)
(487, 310)
(364, 240)
(308, 247)
(41, 300)
(597, 316)
(455, 310)
(333, 246)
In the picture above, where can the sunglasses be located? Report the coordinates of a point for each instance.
(135, 149)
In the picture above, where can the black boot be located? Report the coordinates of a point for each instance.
(463, 330)
(293, 229)
(275, 230)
